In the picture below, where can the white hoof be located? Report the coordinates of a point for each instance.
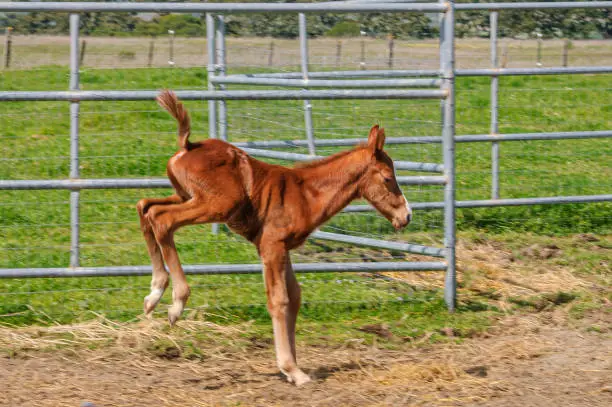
(174, 312)
(151, 301)
(298, 377)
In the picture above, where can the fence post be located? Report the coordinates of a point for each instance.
(171, 49)
(82, 55)
(390, 63)
(74, 142)
(494, 108)
(271, 54)
(362, 64)
(447, 67)
(151, 52)
(566, 45)
(338, 52)
(539, 55)
(8, 41)
(307, 104)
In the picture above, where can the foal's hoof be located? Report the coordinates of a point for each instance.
(174, 313)
(151, 301)
(298, 377)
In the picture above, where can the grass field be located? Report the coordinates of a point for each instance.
(134, 139)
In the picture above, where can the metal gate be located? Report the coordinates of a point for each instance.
(338, 85)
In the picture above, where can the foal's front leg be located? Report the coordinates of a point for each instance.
(159, 281)
(283, 303)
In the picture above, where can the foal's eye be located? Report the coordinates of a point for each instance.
(388, 179)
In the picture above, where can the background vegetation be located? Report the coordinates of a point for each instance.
(575, 24)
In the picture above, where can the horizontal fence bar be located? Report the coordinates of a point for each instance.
(335, 142)
(135, 183)
(533, 5)
(380, 244)
(421, 180)
(281, 155)
(316, 83)
(533, 71)
(211, 269)
(400, 165)
(76, 7)
(534, 201)
(75, 96)
(431, 139)
(77, 184)
(384, 73)
(496, 202)
(562, 135)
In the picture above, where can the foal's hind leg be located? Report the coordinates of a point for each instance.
(159, 281)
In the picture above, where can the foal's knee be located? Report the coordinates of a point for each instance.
(278, 304)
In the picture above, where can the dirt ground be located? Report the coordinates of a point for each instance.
(530, 360)
(536, 356)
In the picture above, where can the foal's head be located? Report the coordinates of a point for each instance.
(379, 185)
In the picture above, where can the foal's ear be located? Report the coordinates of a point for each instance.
(376, 138)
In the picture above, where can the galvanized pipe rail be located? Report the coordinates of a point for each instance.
(328, 7)
(215, 269)
(224, 8)
(406, 73)
(318, 83)
(137, 183)
(120, 95)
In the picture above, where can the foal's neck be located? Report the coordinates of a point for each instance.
(334, 183)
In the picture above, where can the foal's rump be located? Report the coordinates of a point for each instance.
(209, 169)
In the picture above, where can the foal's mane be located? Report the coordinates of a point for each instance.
(327, 160)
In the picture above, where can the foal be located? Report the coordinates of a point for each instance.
(274, 207)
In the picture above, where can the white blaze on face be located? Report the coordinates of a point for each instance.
(408, 209)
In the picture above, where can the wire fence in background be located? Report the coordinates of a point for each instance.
(31, 51)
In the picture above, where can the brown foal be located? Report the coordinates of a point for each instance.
(274, 207)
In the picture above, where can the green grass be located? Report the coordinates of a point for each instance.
(135, 139)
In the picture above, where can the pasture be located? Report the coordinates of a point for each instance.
(533, 280)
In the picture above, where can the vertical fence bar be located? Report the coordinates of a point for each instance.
(220, 45)
(210, 45)
(307, 104)
(494, 109)
(212, 105)
(447, 67)
(74, 140)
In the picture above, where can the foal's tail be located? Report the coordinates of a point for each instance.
(168, 100)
